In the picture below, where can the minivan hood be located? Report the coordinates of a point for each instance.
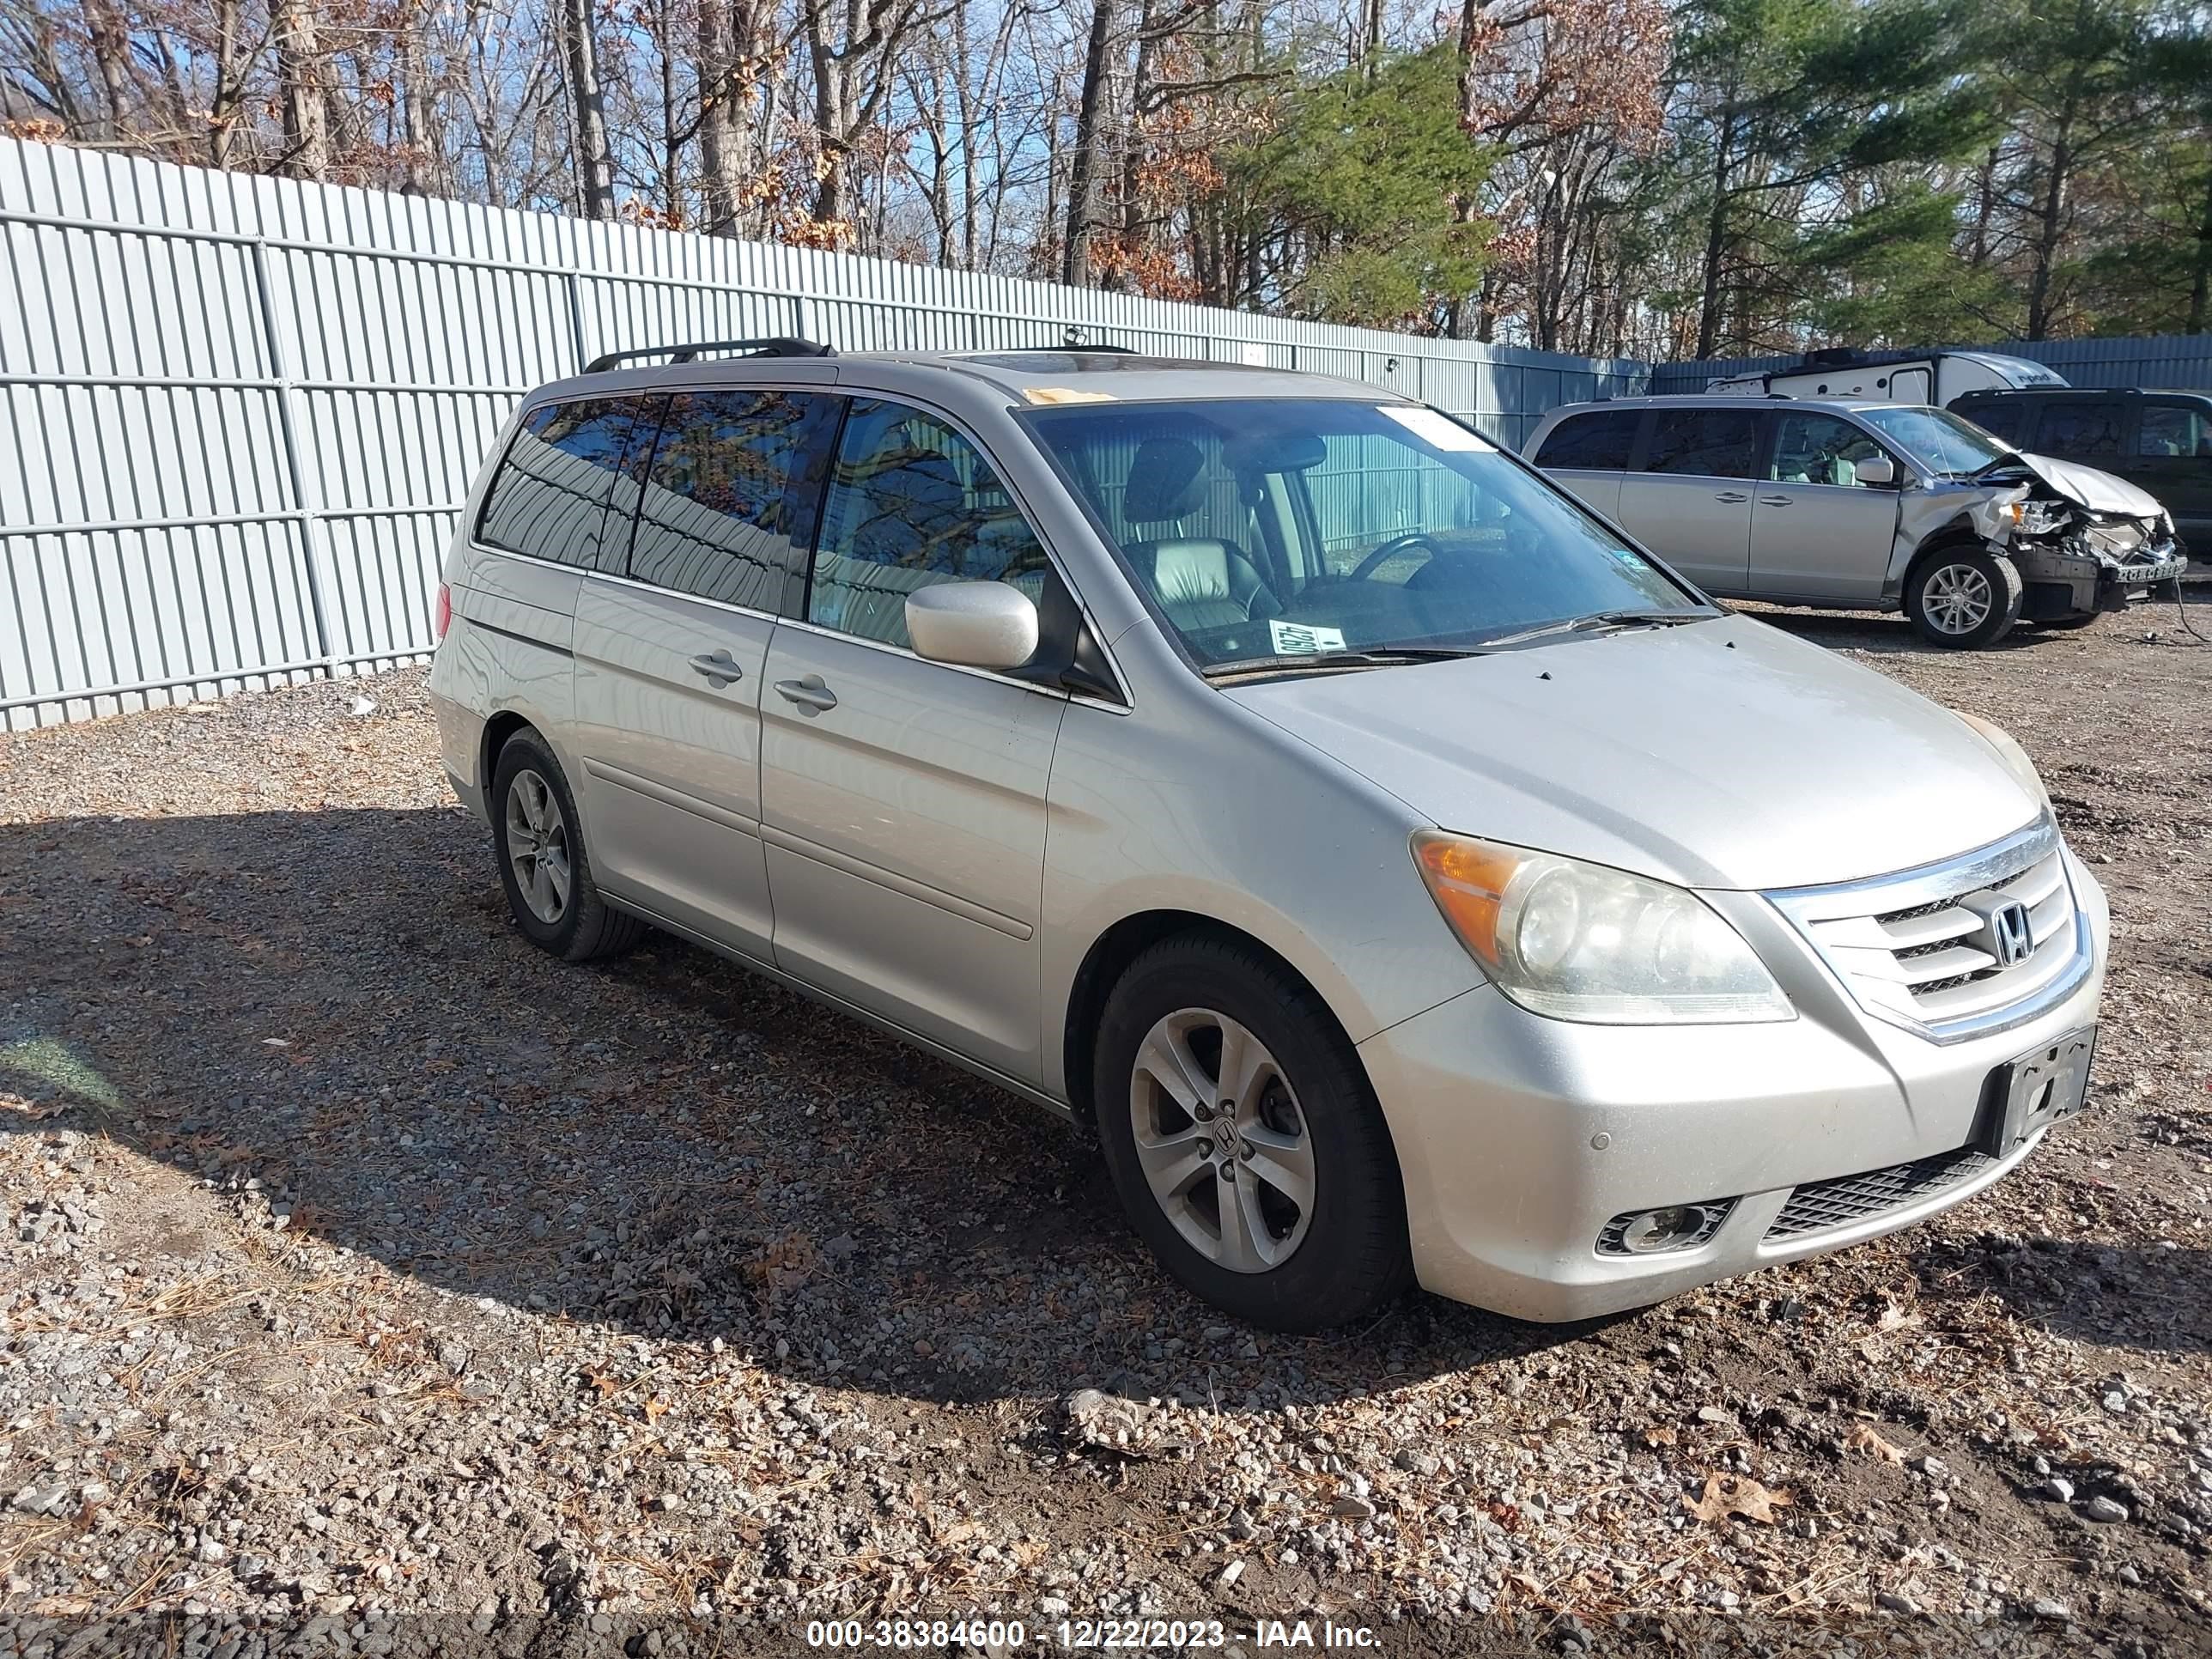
(2100, 492)
(1721, 754)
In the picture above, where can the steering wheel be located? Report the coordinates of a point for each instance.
(1389, 550)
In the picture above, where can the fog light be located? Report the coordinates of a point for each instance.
(1675, 1227)
(1663, 1229)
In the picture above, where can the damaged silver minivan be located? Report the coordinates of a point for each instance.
(1850, 504)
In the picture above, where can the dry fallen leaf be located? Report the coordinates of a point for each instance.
(1894, 1318)
(655, 1407)
(1662, 1435)
(1863, 1438)
(1728, 1495)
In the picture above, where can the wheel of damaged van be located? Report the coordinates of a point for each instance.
(1244, 1138)
(1964, 598)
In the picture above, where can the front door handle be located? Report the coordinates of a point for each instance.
(1774, 501)
(720, 668)
(1731, 497)
(809, 693)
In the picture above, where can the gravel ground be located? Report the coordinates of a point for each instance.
(363, 1265)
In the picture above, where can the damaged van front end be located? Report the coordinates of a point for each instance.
(2084, 542)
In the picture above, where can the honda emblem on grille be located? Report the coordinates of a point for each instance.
(2012, 936)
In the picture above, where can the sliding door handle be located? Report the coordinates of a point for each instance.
(809, 693)
(719, 667)
(1774, 501)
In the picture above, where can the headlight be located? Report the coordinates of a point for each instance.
(1582, 942)
(2014, 757)
(2038, 517)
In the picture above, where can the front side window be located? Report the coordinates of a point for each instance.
(728, 502)
(1273, 527)
(2079, 428)
(1820, 449)
(548, 498)
(911, 503)
(1591, 443)
(1939, 441)
(2175, 432)
(1710, 443)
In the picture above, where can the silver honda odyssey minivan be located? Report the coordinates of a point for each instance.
(1404, 877)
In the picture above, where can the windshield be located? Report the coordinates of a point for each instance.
(1286, 527)
(1939, 441)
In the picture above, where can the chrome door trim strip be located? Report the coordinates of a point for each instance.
(846, 864)
(676, 798)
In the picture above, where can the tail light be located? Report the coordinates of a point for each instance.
(443, 617)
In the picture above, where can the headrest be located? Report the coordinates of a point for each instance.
(1166, 480)
(1186, 572)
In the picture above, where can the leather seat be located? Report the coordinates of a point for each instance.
(1200, 581)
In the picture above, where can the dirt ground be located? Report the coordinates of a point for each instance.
(378, 1282)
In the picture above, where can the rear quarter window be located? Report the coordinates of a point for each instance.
(1597, 442)
(548, 498)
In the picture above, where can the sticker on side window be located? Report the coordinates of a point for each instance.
(1303, 640)
(1437, 429)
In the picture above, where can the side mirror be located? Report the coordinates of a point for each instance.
(977, 624)
(1879, 471)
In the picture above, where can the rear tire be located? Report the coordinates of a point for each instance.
(1963, 598)
(1267, 1182)
(543, 866)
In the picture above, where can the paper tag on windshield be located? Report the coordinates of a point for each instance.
(1432, 428)
(1302, 639)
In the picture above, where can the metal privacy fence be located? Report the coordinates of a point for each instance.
(240, 411)
(2165, 360)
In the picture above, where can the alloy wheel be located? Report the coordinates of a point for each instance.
(537, 846)
(1222, 1140)
(1957, 598)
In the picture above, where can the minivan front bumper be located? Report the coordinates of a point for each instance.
(1522, 1138)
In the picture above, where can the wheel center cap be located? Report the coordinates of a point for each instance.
(1225, 1131)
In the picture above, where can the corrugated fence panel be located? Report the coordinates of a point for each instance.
(238, 414)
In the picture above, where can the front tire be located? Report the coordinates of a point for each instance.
(1964, 599)
(1244, 1138)
(542, 865)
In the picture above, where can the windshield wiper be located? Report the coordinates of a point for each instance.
(1385, 657)
(1601, 619)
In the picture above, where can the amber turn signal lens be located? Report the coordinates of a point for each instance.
(1468, 880)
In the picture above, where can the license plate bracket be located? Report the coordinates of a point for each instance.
(2046, 1085)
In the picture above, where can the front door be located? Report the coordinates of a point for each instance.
(2173, 461)
(669, 653)
(903, 800)
(1816, 531)
(1690, 499)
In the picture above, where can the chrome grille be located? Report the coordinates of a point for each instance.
(1922, 949)
(1819, 1204)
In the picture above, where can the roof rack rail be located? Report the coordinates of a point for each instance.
(780, 345)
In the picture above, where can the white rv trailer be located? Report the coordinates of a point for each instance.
(1933, 377)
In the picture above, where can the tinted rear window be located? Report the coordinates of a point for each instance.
(1711, 443)
(2005, 421)
(549, 496)
(1597, 442)
(729, 502)
(2079, 428)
